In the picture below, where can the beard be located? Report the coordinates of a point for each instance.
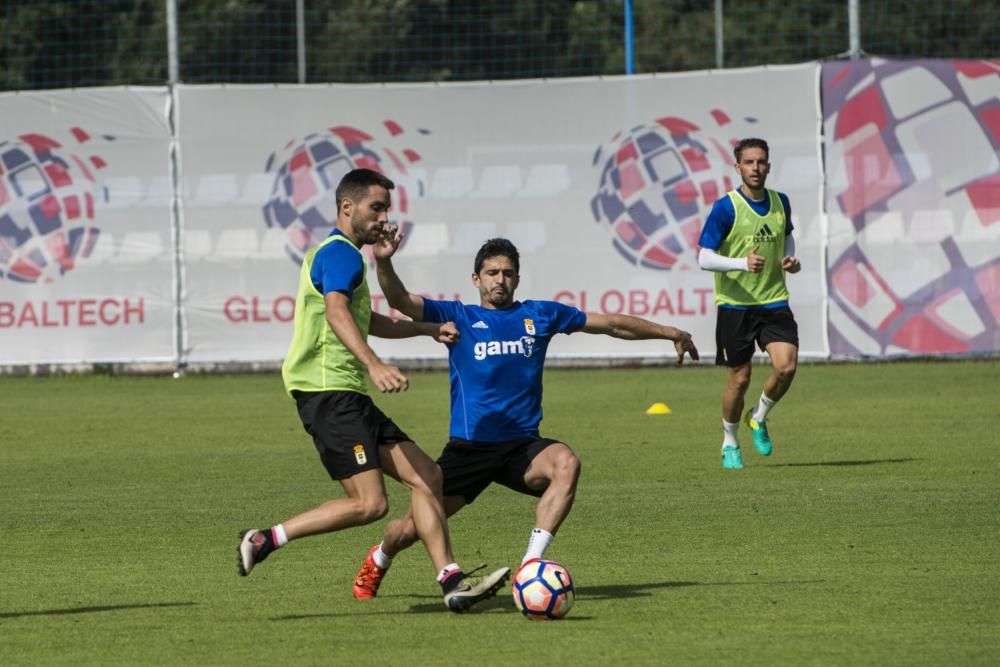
(498, 298)
(368, 234)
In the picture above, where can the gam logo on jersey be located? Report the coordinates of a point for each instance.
(49, 194)
(525, 346)
(307, 171)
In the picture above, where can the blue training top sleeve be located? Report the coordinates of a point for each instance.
(788, 212)
(565, 319)
(440, 311)
(718, 225)
(337, 267)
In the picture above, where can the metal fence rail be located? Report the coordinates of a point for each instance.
(75, 43)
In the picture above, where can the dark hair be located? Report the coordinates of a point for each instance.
(751, 142)
(498, 248)
(355, 184)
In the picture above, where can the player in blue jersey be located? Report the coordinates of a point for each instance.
(325, 370)
(496, 370)
(747, 242)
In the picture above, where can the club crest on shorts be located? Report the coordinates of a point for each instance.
(359, 455)
(529, 326)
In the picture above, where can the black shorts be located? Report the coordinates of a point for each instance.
(347, 428)
(736, 331)
(469, 467)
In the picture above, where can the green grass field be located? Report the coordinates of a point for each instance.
(870, 537)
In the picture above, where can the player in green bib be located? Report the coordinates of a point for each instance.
(747, 242)
(325, 371)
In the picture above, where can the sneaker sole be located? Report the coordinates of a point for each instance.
(362, 594)
(244, 552)
(736, 464)
(494, 582)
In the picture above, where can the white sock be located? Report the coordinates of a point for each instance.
(729, 432)
(381, 558)
(537, 544)
(446, 570)
(278, 533)
(763, 407)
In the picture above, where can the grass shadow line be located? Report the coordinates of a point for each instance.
(504, 604)
(620, 591)
(93, 610)
(501, 603)
(837, 464)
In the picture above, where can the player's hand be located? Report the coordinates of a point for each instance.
(388, 242)
(388, 379)
(684, 345)
(791, 264)
(447, 333)
(755, 262)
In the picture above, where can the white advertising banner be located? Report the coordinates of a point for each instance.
(86, 250)
(603, 184)
(913, 195)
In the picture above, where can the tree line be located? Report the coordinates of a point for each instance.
(74, 43)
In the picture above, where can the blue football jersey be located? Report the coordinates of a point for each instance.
(496, 366)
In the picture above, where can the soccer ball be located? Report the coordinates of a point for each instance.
(543, 590)
(913, 152)
(657, 184)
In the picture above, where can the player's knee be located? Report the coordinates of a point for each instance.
(567, 468)
(429, 480)
(740, 383)
(785, 373)
(373, 510)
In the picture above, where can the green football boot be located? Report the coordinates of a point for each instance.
(761, 440)
(731, 458)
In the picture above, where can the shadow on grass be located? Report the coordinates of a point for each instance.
(835, 464)
(620, 591)
(503, 602)
(92, 610)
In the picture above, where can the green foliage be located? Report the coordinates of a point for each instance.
(60, 43)
(867, 538)
(959, 29)
(138, 29)
(249, 41)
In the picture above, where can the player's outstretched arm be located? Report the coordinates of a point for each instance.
(396, 294)
(338, 315)
(628, 327)
(386, 327)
